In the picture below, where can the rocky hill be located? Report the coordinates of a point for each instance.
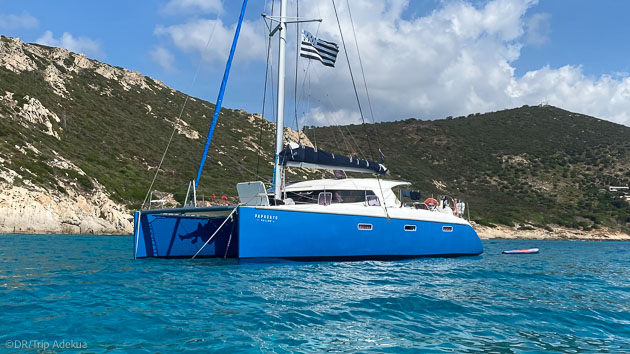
(529, 167)
(80, 141)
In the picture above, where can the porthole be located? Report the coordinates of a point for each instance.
(447, 228)
(365, 227)
(410, 227)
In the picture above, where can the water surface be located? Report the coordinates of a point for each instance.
(573, 296)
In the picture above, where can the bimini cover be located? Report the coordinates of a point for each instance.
(304, 156)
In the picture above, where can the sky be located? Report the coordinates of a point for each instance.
(425, 59)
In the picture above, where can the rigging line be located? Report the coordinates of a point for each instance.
(239, 164)
(308, 102)
(356, 93)
(367, 92)
(355, 142)
(306, 75)
(297, 61)
(216, 232)
(358, 152)
(181, 112)
(334, 124)
(308, 62)
(307, 70)
(262, 114)
(351, 150)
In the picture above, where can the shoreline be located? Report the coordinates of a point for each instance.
(57, 234)
(558, 234)
(499, 232)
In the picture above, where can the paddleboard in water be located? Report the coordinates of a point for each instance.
(525, 251)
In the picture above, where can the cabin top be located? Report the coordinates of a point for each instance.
(345, 184)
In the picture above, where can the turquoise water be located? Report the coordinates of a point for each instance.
(87, 290)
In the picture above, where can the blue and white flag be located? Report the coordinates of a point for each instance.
(318, 49)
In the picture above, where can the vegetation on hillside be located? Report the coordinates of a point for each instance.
(117, 137)
(525, 166)
(530, 166)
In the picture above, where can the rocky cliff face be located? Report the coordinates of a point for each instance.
(25, 205)
(80, 141)
(29, 208)
(35, 210)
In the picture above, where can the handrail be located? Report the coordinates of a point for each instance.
(188, 210)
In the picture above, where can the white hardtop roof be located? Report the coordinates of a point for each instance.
(344, 184)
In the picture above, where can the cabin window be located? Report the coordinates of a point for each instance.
(410, 227)
(447, 228)
(338, 196)
(365, 226)
(324, 198)
(372, 200)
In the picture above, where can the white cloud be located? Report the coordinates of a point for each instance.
(163, 57)
(458, 59)
(567, 87)
(455, 61)
(193, 37)
(73, 44)
(339, 117)
(192, 6)
(10, 21)
(538, 29)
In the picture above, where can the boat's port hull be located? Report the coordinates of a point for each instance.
(270, 233)
(180, 234)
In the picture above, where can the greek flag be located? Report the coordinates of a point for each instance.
(314, 48)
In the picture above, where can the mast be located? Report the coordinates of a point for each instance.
(217, 107)
(277, 175)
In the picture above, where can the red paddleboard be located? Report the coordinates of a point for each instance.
(525, 251)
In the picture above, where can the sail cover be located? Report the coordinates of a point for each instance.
(304, 156)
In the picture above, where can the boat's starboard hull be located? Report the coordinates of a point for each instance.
(265, 232)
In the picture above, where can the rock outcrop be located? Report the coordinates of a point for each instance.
(32, 210)
(552, 233)
(29, 208)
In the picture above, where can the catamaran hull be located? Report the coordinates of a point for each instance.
(267, 233)
(180, 233)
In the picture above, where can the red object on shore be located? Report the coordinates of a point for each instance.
(225, 199)
(214, 197)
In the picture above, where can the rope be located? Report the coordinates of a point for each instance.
(229, 241)
(220, 226)
(217, 231)
(262, 114)
(335, 124)
(367, 92)
(181, 112)
(239, 164)
(297, 62)
(356, 93)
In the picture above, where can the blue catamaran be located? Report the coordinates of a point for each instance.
(338, 218)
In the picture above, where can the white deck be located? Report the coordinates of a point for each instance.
(390, 205)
